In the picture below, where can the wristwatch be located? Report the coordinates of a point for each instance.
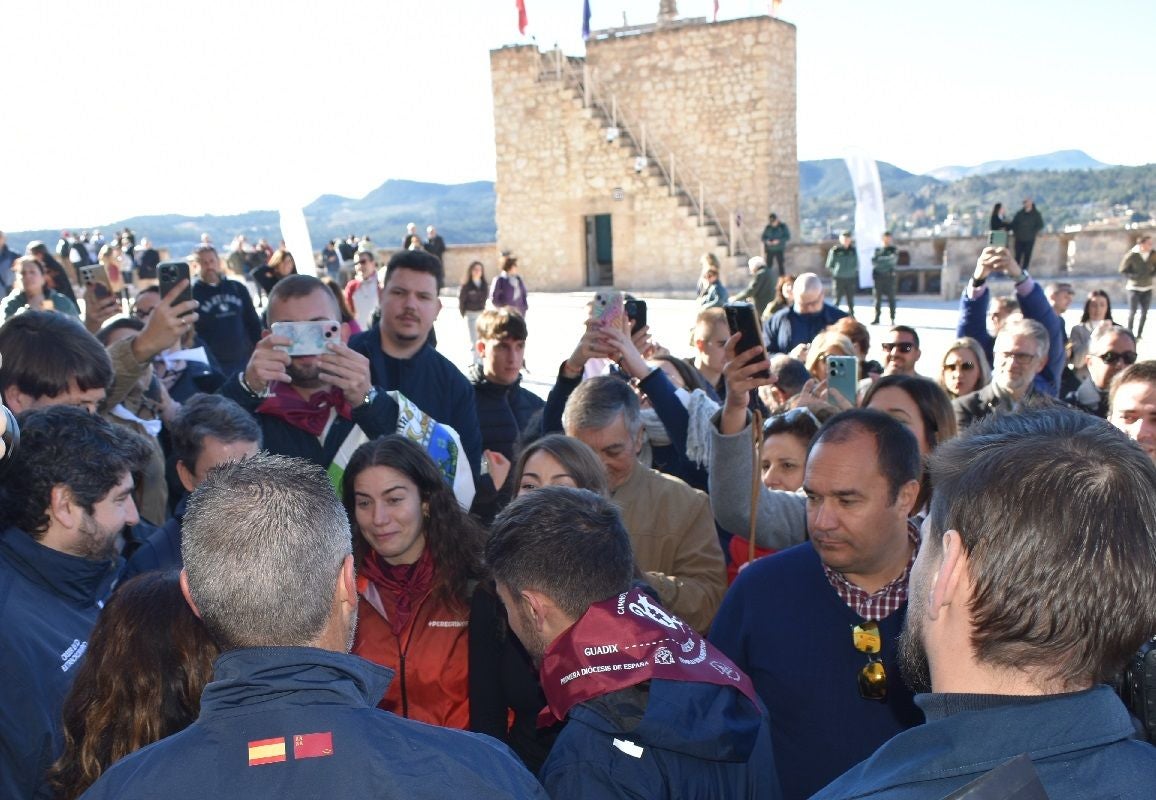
(370, 396)
(249, 389)
(1023, 277)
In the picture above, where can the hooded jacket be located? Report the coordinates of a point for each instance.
(298, 722)
(664, 739)
(49, 602)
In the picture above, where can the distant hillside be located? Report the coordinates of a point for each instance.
(828, 178)
(462, 213)
(1060, 161)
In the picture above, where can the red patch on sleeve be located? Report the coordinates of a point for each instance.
(313, 745)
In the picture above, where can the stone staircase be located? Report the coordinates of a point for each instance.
(644, 156)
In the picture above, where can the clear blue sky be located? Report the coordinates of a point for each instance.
(125, 107)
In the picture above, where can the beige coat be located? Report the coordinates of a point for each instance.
(675, 543)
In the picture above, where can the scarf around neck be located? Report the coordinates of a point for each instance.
(405, 584)
(622, 642)
(310, 415)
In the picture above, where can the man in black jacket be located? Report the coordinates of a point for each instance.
(228, 323)
(1024, 226)
(66, 496)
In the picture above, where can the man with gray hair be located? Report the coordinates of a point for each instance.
(802, 322)
(1021, 353)
(761, 289)
(1111, 350)
(670, 524)
(208, 431)
(290, 713)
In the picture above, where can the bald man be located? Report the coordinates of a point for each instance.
(802, 322)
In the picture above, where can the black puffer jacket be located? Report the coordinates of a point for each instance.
(503, 411)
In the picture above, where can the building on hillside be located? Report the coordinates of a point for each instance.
(664, 142)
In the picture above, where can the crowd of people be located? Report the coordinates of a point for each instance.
(288, 547)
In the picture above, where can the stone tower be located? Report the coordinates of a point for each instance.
(663, 143)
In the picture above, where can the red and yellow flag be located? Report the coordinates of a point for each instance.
(266, 751)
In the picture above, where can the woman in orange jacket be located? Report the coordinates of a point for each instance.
(418, 560)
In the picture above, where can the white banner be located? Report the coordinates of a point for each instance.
(870, 221)
(296, 235)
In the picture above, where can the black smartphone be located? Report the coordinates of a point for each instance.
(636, 313)
(741, 319)
(997, 239)
(171, 273)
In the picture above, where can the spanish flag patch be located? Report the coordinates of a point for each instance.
(266, 751)
(313, 745)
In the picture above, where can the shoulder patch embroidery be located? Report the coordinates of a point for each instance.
(313, 745)
(266, 751)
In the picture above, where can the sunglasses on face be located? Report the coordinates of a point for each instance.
(965, 366)
(872, 678)
(364, 261)
(903, 347)
(1110, 358)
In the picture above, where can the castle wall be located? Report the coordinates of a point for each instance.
(722, 97)
(719, 97)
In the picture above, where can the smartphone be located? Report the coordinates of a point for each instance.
(307, 338)
(97, 283)
(608, 309)
(171, 273)
(636, 313)
(843, 376)
(997, 239)
(742, 320)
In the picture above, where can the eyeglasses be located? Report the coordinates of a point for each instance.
(365, 261)
(872, 678)
(1019, 358)
(903, 347)
(965, 366)
(1110, 358)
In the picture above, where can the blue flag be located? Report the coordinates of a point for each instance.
(585, 20)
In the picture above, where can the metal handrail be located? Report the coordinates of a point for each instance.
(677, 175)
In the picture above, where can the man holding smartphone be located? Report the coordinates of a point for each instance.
(307, 406)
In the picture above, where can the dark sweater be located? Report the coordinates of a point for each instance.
(227, 322)
(783, 624)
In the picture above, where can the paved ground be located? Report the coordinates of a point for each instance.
(555, 323)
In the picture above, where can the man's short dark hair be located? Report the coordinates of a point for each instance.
(118, 324)
(294, 286)
(914, 334)
(65, 446)
(1056, 511)
(418, 261)
(568, 544)
(896, 450)
(791, 374)
(205, 415)
(502, 323)
(1140, 372)
(43, 351)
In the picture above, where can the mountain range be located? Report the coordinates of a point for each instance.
(1069, 186)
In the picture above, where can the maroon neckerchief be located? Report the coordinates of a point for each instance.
(310, 415)
(622, 642)
(404, 584)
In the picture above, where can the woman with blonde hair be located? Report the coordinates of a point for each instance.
(827, 343)
(964, 368)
